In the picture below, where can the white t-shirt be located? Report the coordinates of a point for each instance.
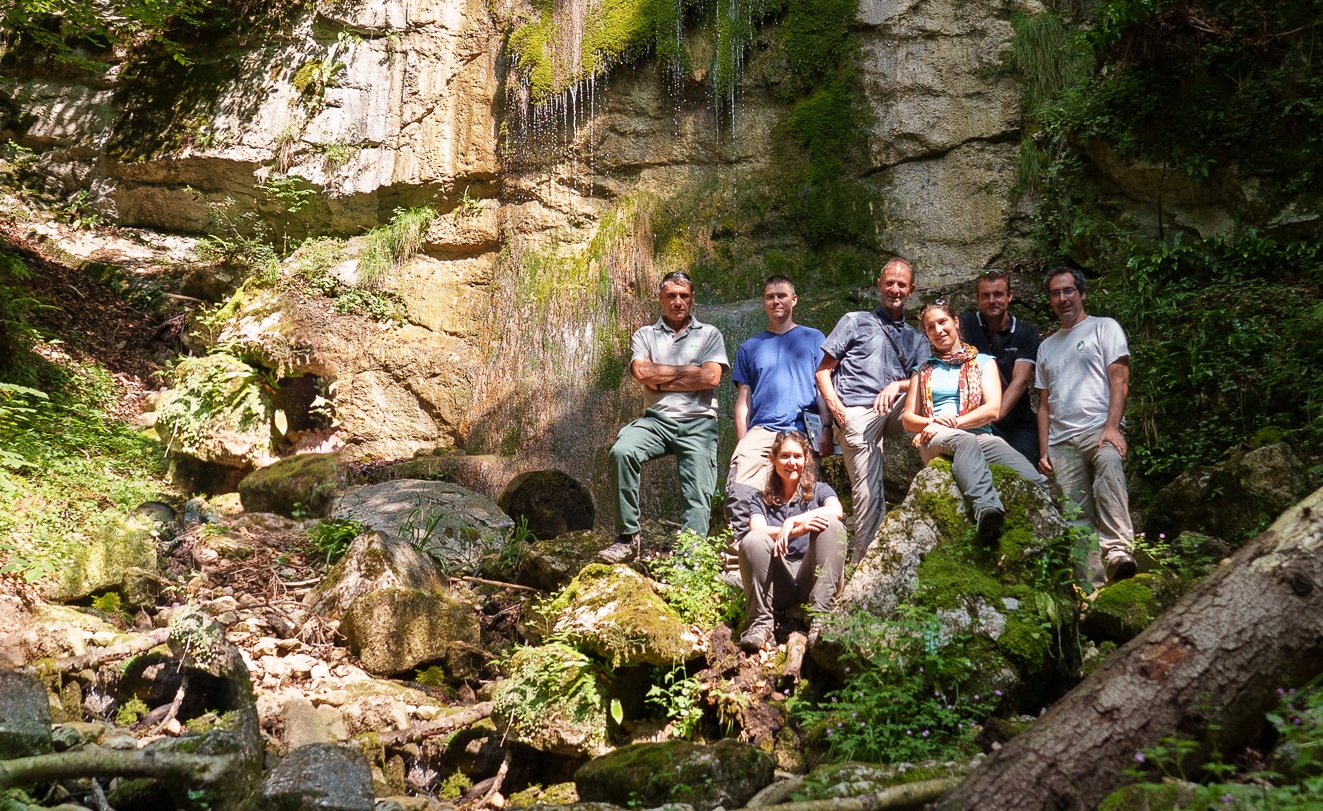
(1072, 366)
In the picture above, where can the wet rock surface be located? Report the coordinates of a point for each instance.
(318, 777)
(725, 774)
(25, 716)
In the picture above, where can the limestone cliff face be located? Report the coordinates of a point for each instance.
(352, 111)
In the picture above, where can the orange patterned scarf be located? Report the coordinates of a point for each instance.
(970, 388)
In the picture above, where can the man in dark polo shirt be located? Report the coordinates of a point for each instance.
(679, 362)
(1014, 343)
(863, 377)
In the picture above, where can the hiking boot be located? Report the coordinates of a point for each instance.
(814, 632)
(989, 525)
(756, 639)
(1121, 567)
(625, 549)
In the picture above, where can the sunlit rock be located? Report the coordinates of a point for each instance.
(617, 613)
(395, 630)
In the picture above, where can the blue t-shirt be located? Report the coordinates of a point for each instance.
(778, 515)
(779, 369)
(945, 384)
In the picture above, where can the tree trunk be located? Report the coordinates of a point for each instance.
(1206, 670)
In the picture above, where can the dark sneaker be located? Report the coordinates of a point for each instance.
(755, 639)
(989, 526)
(1121, 567)
(625, 549)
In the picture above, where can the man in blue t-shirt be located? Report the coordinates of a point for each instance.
(774, 385)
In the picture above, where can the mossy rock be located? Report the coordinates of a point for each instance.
(726, 774)
(550, 565)
(307, 483)
(1120, 611)
(217, 412)
(855, 779)
(554, 701)
(1150, 797)
(559, 794)
(617, 613)
(121, 544)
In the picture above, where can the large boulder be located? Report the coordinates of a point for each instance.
(218, 412)
(25, 716)
(617, 613)
(1232, 499)
(306, 482)
(1004, 601)
(551, 503)
(318, 777)
(455, 526)
(374, 562)
(726, 775)
(555, 700)
(121, 544)
(395, 630)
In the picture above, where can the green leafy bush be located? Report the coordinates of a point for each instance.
(902, 699)
(690, 580)
(332, 538)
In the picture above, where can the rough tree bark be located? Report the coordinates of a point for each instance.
(1206, 670)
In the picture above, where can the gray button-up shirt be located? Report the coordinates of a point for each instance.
(694, 345)
(865, 346)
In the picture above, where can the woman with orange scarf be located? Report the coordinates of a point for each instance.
(954, 397)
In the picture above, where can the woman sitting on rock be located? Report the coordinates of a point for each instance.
(795, 549)
(954, 397)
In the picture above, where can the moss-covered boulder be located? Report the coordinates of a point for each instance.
(395, 630)
(1120, 611)
(307, 483)
(854, 779)
(550, 565)
(218, 412)
(1004, 602)
(617, 613)
(111, 550)
(725, 774)
(1231, 499)
(555, 700)
(374, 562)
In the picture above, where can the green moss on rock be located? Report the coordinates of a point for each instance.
(308, 482)
(554, 701)
(946, 583)
(1026, 643)
(1120, 611)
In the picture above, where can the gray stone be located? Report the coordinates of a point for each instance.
(373, 562)
(725, 774)
(306, 724)
(395, 630)
(550, 502)
(456, 526)
(318, 777)
(25, 716)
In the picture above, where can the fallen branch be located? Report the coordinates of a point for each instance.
(94, 658)
(895, 798)
(796, 646)
(496, 781)
(174, 705)
(93, 761)
(485, 582)
(441, 726)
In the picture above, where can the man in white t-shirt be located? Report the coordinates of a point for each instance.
(1083, 378)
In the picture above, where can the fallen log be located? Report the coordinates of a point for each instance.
(894, 798)
(1206, 671)
(94, 761)
(95, 658)
(441, 726)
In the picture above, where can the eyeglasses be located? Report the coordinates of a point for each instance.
(941, 302)
(1065, 292)
(994, 274)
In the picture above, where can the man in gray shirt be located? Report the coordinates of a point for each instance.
(863, 377)
(679, 362)
(1083, 379)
